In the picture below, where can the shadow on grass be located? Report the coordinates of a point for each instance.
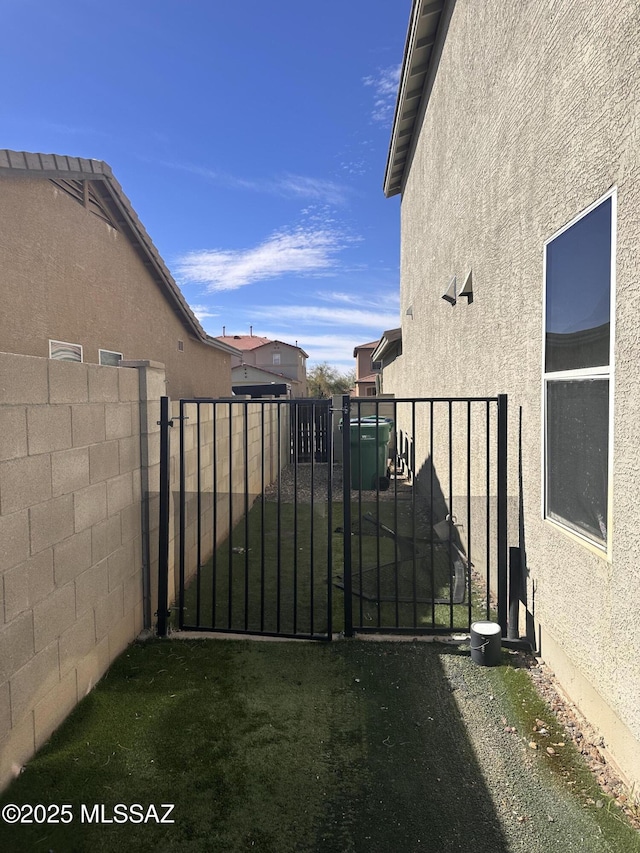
(266, 747)
(272, 575)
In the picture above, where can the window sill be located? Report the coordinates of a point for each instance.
(602, 551)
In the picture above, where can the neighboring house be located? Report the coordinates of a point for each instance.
(385, 354)
(258, 382)
(82, 281)
(516, 149)
(366, 370)
(273, 362)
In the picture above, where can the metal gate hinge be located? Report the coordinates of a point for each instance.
(175, 418)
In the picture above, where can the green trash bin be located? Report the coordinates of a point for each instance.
(369, 439)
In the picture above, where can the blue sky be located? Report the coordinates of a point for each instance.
(251, 139)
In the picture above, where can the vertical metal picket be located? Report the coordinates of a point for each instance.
(346, 497)
(502, 513)
(163, 555)
(402, 578)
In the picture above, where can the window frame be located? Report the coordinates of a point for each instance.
(53, 342)
(602, 549)
(109, 352)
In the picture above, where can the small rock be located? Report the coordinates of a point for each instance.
(533, 744)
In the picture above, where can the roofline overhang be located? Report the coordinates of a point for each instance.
(426, 33)
(390, 338)
(51, 166)
(221, 345)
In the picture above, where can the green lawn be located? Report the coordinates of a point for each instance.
(281, 565)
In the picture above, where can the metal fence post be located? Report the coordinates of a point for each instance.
(346, 521)
(502, 512)
(163, 546)
(514, 593)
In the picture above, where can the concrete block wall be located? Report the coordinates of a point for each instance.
(70, 527)
(79, 522)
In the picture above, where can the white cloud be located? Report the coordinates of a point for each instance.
(307, 315)
(385, 86)
(286, 185)
(303, 252)
(204, 312)
(299, 186)
(335, 296)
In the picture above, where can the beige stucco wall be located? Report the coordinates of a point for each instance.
(533, 116)
(67, 275)
(292, 363)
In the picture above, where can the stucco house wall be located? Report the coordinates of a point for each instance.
(533, 116)
(67, 275)
(292, 363)
(365, 372)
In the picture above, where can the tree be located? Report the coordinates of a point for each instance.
(324, 380)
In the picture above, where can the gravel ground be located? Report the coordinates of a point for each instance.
(537, 811)
(297, 482)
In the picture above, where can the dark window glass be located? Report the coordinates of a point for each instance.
(577, 454)
(578, 293)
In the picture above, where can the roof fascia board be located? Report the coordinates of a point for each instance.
(386, 344)
(391, 185)
(223, 346)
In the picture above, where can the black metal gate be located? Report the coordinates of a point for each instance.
(399, 525)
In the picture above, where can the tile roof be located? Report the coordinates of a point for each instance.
(370, 345)
(250, 342)
(244, 342)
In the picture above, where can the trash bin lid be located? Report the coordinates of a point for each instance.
(379, 419)
(369, 429)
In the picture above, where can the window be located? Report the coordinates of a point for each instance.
(63, 351)
(578, 372)
(109, 358)
(276, 358)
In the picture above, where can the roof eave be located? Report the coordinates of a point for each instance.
(389, 339)
(221, 345)
(422, 50)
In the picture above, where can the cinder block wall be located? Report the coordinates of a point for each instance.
(79, 523)
(70, 528)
